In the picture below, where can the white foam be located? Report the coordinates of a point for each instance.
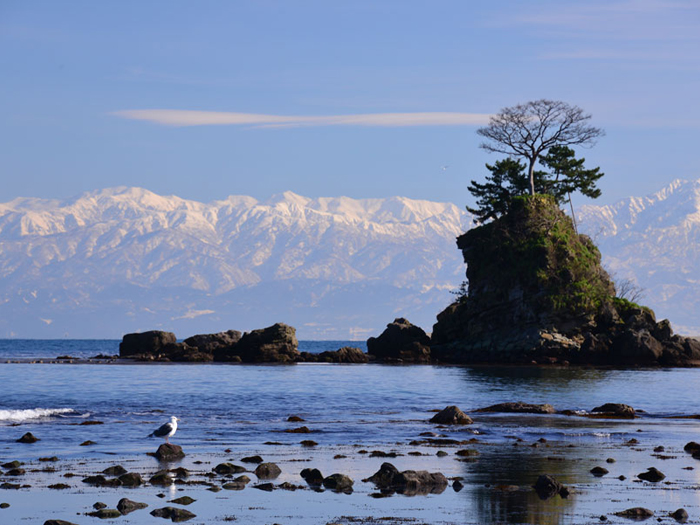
(18, 416)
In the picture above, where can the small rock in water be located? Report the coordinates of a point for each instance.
(308, 443)
(599, 471)
(295, 419)
(131, 479)
(610, 460)
(635, 513)
(126, 506)
(614, 410)
(692, 447)
(12, 464)
(252, 459)
(681, 515)
(312, 476)
(441, 453)
(457, 486)
(267, 471)
(228, 468)
(106, 514)
(4, 505)
(652, 474)
(116, 470)
(161, 478)
(28, 438)
(58, 522)
(169, 452)
(267, 487)
(547, 487)
(299, 430)
(338, 483)
(451, 415)
(173, 513)
(184, 500)
(87, 443)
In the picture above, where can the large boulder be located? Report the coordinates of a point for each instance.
(145, 343)
(209, 343)
(274, 344)
(400, 341)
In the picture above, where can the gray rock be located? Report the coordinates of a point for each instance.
(451, 415)
(126, 506)
(267, 471)
(338, 483)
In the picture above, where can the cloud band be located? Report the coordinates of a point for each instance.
(181, 117)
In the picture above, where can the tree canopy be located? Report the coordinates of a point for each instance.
(564, 174)
(528, 130)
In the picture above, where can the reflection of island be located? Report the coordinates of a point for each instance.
(501, 482)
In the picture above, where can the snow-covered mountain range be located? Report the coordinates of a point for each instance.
(126, 259)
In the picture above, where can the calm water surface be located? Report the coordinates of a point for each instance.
(240, 407)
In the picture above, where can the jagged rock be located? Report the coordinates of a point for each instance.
(635, 513)
(126, 506)
(276, 344)
(183, 352)
(652, 474)
(347, 354)
(338, 483)
(173, 513)
(312, 476)
(400, 341)
(547, 487)
(616, 410)
(519, 407)
(28, 438)
(146, 343)
(211, 343)
(169, 452)
(451, 415)
(267, 471)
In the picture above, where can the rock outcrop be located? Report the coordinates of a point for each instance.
(409, 482)
(538, 294)
(145, 343)
(274, 344)
(401, 341)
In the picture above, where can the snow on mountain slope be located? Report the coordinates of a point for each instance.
(126, 259)
(131, 247)
(655, 241)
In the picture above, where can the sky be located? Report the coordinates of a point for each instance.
(356, 98)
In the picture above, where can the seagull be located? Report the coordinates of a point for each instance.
(166, 430)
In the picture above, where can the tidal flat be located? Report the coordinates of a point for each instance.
(359, 416)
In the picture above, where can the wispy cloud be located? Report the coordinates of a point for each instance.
(181, 117)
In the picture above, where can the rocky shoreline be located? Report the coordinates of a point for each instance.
(448, 440)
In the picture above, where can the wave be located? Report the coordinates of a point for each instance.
(18, 416)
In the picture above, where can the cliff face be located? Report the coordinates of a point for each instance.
(537, 292)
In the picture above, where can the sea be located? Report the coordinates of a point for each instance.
(229, 411)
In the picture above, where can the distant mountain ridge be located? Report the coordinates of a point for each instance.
(126, 259)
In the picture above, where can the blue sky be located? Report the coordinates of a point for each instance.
(335, 74)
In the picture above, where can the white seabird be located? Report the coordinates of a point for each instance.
(166, 430)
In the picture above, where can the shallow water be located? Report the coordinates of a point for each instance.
(348, 408)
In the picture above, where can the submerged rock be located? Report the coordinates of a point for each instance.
(635, 513)
(451, 415)
(106, 514)
(547, 487)
(519, 408)
(228, 468)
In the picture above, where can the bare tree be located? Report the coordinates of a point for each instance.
(530, 129)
